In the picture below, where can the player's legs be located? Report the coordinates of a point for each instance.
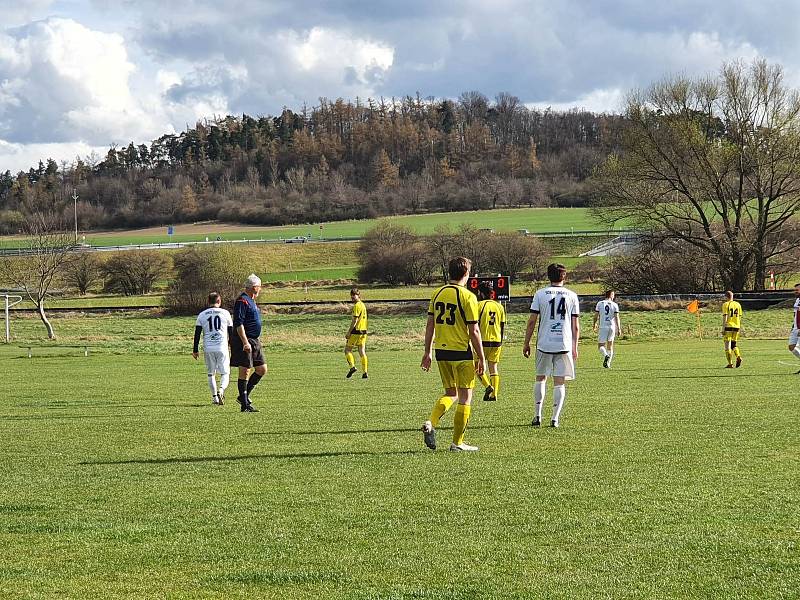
(726, 341)
(442, 404)
(494, 379)
(610, 350)
(539, 387)
(241, 384)
(362, 353)
(465, 381)
(211, 367)
(351, 361)
(559, 395)
(461, 419)
(794, 338)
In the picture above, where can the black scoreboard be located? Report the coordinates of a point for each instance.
(501, 286)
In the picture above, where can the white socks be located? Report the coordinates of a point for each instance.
(538, 396)
(212, 384)
(224, 379)
(796, 351)
(559, 393)
(603, 351)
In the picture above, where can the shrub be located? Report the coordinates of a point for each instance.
(82, 272)
(511, 253)
(200, 270)
(662, 268)
(134, 272)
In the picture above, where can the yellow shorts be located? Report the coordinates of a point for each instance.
(493, 353)
(357, 339)
(457, 373)
(730, 336)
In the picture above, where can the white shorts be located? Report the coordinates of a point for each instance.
(556, 365)
(606, 334)
(794, 337)
(217, 361)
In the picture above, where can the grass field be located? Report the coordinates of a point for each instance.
(669, 478)
(536, 220)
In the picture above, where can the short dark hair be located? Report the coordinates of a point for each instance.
(556, 272)
(608, 293)
(458, 267)
(213, 298)
(485, 290)
(355, 291)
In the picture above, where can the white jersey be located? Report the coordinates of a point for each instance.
(556, 306)
(215, 323)
(608, 310)
(796, 322)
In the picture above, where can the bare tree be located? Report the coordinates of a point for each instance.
(82, 272)
(714, 162)
(47, 249)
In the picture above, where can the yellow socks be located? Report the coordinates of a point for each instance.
(442, 405)
(729, 356)
(460, 421)
(351, 361)
(364, 364)
(736, 352)
(485, 380)
(495, 380)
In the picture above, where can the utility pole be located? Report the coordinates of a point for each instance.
(75, 204)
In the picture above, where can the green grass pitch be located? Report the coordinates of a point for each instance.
(669, 478)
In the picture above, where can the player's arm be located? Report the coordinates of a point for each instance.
(595, 319)
(576, 334)
(526, 347)
(477, 344)
(619, 325)
(230, 333)
(724, 320)
(353, 322)
(427, 357)
(239, 314)
(196, 347)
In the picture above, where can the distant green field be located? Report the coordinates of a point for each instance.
(535, 220)
(669, 477)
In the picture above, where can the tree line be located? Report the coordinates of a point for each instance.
(337, 160)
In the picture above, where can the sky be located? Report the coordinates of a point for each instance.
(77, 76)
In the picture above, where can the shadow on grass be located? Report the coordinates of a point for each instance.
(395, 430)
(710, 376)
(197, 459)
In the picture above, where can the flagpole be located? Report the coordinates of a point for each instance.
(699, 325)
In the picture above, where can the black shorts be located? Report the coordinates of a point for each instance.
(240, 358)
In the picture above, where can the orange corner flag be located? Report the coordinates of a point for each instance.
(693, 307)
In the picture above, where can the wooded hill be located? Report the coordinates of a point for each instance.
(337, 160)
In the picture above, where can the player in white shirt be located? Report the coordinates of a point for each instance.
(556, 310)
(606, 315)
(794, 335)
(216, 326)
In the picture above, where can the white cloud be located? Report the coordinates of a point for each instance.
(598, 101)
(21, 157)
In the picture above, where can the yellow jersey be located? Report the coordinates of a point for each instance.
(360, 315)
(453, 309)
(733, 315)
(492, 322)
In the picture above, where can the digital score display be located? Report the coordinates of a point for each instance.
(501, 286)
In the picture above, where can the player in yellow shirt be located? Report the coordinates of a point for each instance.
(453, 327)
(492, 323)
(731, 323)
(357, 335)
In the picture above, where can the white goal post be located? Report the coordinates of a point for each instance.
(9, 301)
